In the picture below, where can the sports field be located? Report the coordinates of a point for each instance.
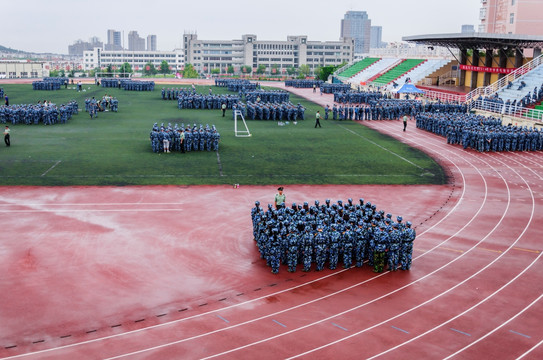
(114, 149)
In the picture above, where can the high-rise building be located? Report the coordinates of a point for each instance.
(376, 37)
(79, 46)
(466, 29)
(357, 25)
(135, 42)
(151, 42)
(114, 40)
(511, 17)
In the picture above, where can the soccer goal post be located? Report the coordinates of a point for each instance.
(239, 132)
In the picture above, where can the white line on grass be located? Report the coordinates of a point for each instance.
(220, 165)
(51, 168)
(382, 147)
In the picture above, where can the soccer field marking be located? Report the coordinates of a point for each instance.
(382, 147)
(51, 168)
(219, 163)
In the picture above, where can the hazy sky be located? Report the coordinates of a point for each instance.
(52, 25)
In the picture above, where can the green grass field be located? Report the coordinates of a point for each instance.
(114, 149)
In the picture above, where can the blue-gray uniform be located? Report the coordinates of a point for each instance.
(292, 250)
(202, 138)
(274, 251)
(307, 240)
(326, 111)
(360, 244)
(394, 248)
(320, 247)
(334, 247)
(406, 251)
(216, 138)
(348, 247)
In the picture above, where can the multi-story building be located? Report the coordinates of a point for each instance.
(135, 42)
(151, 42)
(114, 40)
(467, 29)
(376, 37)
(206, 55)
(520, 17)
(98, 58)
(12, 69)
(357, 25)
(78, 47)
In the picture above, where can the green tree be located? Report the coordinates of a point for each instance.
(189, 72)
(246, 69)
(275, 70)
(291, 70)
(304, 71)
(261, 69)
(164, 68)
(323, 72)
(230, 69)
(109, 71)
(125, 70)
(216, 71)
(149, 69)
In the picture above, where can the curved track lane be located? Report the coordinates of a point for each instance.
(474, 290)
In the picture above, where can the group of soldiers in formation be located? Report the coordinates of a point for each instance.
(388, 109)
(184, 138)
(350, 233)
(334, 88)
(129, 85)
(357, 97)
(46, 113)
(272, 96)
(303, 83)
(237, 84)
(187, 100)
(48, 85)
(93, 106)
(270, 111)
(480, 133)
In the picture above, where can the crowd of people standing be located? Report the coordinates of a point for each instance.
(331, 233)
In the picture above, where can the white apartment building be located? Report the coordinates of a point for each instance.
(99, 58)
(206, 55)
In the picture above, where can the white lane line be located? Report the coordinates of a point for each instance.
(51, 168)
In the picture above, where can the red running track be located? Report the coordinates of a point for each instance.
(172, 272)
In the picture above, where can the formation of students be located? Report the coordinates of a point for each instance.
(331, 233)
(237, 84)
(270, 111)
(47, 85)
(184, 138)
(272, 96)
(45, 113)
(127, 84)
(357, 97)
(481, 133)
(304, 83)
(333, 88)
(190, 100)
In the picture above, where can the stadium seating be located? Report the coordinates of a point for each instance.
(357, 67)
(423, 70)
(532, 79)
(398, 70)
(372, 70)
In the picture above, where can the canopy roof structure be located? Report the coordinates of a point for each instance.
(478, 40)
(409, 89)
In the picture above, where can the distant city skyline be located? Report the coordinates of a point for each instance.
(29, 27)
